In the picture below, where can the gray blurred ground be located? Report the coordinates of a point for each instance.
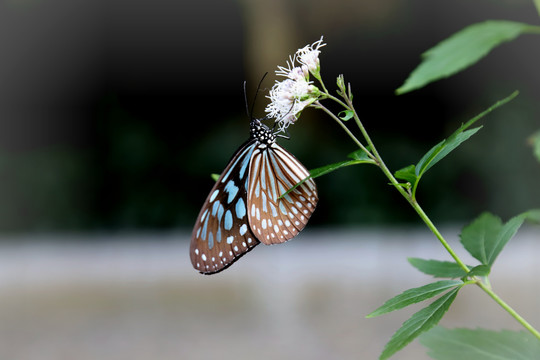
(136, 296)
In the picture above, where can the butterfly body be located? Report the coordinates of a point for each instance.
(246, 207)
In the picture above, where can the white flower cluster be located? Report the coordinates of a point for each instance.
(290, 96)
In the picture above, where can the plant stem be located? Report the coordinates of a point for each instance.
(338, 101)
(412, 201)
(508, 309)
(318, 105)
(447, 246)
(405, 194)
(437, 234)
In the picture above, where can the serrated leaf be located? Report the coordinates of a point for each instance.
(443, 148)
(360, 154)
(429, 155)
(480, 270)
(439, 151)
(461, 50)
(420, 322)
(479, 234)
(323, 170)
(436, 268)
(486, 236)
(507, 232)
(407, 173)
(480, 344)
(413, 296)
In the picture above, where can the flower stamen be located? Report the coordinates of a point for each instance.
(290, 96)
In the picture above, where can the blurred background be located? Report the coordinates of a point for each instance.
(113, 115)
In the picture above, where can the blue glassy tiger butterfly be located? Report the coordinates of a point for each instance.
(246, 207)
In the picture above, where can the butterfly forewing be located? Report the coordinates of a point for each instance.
(272, 219)
(222, 233)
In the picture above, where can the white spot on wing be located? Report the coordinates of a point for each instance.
(243, 229)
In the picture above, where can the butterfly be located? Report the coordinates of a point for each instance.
(249, 203)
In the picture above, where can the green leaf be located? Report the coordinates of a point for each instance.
(356, 158)
(420, 322)
(442, 149)
(323, 170)
(486, 236)
(407, 173)
(439, 151)
(479, 234)
(533, 215)
(480, 344)
(413, 296)
(507, 232)
(463, 49)
(534, 141)
(480, 270)
(346, 115)
(436, 268)
(360, 154)
(215, 177)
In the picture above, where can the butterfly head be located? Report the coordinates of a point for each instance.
(262, 133)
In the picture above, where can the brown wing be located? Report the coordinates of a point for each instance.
(221, 234)
(273, 171)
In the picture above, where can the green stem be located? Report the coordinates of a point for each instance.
(447, 246)
(338, 101)
(319, 78)
(437, 234)
(405, 194)
(449, 249)
(508, 309)
(412, 201)
(318, 105)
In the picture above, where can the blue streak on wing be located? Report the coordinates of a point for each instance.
(243, 159)
(228, 220)
(210, 240)
(240, 208)
(232, 190)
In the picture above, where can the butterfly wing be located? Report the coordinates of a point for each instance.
(273, 171)
(221, 234)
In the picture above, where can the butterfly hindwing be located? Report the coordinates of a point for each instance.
(222, 233)
(272, 219)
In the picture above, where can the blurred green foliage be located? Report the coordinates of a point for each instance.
(132, 109)
(133, 179)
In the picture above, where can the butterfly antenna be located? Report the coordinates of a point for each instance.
(256, 93)
(246, 101)
(286, 136)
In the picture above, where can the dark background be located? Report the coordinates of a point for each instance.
(113, 114)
